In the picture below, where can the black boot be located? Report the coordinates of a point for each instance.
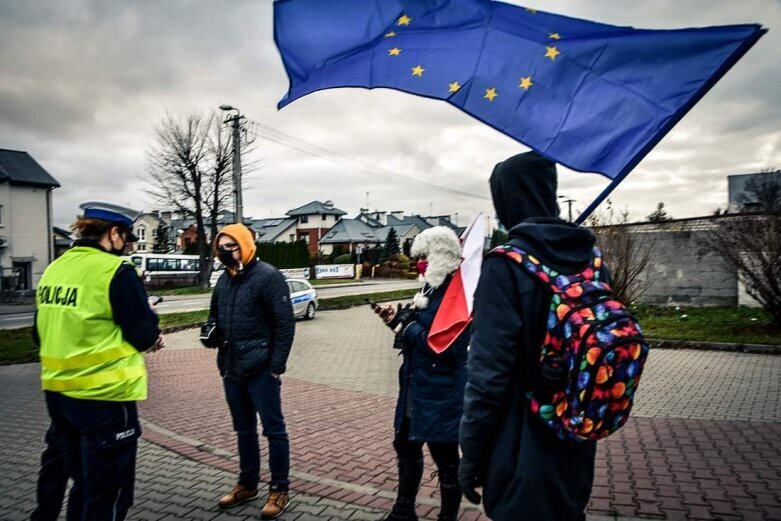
(410, 474)
(450, 493)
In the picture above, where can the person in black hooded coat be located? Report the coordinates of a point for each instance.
(526, 472)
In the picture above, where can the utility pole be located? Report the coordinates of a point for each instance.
(569, 204)
(235, 121)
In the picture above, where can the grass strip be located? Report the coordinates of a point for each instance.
(725, 325)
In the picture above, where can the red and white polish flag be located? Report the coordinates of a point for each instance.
(455, 311)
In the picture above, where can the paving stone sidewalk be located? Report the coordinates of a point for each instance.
(704, 441)
(168, 486)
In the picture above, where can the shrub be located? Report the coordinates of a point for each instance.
(346, 258)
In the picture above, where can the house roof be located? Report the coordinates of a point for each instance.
(61, 232)
(316, 207)
(371, 221)
(269, 229)
(350, 230)
(19, 167)
(401, 230)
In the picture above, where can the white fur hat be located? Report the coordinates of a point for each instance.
(442, 250)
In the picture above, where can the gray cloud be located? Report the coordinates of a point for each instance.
(85, 82)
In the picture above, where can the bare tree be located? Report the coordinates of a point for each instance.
(659, 215)
(190, 167)
(762, 193)
(626, 253)
(751, 245)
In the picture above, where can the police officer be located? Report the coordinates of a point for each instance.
(93, 322)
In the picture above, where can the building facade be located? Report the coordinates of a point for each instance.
(26, 239)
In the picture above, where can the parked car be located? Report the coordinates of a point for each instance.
(302, 294)
(304, 298)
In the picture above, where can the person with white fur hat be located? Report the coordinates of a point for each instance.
(431, 381)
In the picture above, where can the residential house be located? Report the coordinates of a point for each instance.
(62, 241)
(183, 232)
(351, 235)
(146, 228)
(276, 229)
(407, 226)
(26, 241)
(315, 219)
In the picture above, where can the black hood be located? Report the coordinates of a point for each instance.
(524, 186)
(524, 194)
(562, 246)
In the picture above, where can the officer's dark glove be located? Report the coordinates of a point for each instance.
(469, 479)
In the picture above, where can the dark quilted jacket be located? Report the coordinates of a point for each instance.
(254, 312)
(431, 386)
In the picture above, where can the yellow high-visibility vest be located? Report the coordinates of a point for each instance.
(83, 353)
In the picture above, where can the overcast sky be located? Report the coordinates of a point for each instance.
(84, 83)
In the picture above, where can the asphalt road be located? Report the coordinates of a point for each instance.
(177, 304)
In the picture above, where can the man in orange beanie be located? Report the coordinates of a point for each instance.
(252, 313)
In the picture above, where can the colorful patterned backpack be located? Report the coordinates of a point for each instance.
(592, 356)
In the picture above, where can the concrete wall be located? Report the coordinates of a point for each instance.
(678, 274)
(26, 226)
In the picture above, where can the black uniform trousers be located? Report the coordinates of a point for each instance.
(100, 440)
(52, 479)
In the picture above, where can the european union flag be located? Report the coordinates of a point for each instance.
(594, 97)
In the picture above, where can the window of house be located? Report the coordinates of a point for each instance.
(292, 237)
(142, 247)
(325, 218)
(304, 219)
(141, 232)
(1, 214)
(154, 233)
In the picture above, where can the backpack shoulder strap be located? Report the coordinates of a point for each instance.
(529, 263)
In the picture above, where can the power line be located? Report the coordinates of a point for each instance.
(335, 157)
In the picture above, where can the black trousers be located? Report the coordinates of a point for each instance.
(100, 440)
(444, 454)
(52, 479)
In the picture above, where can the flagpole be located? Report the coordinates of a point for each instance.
(601, 197)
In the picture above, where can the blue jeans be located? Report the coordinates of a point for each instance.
(248, 397)
(100, 440)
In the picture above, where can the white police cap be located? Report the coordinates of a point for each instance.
(110, 212)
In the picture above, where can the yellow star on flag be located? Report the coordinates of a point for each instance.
(404, 20)
(390, 35)
(554, 36)
(394, 52)
(454, 86)
(552, 53)
(490, 94)
(532, 11)
(526, 83)
(418, 71)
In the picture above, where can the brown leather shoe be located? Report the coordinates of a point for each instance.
(240, 494)
(276, 503)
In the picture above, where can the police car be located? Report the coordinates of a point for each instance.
(304, 298)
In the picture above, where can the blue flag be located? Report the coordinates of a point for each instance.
(593, 97)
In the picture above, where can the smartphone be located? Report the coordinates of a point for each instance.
(373, 304)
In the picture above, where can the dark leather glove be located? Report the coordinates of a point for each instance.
(211, 334)
(404, 315)
(469, 480)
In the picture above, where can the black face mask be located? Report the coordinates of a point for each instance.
(118, 252)
(226, 257)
